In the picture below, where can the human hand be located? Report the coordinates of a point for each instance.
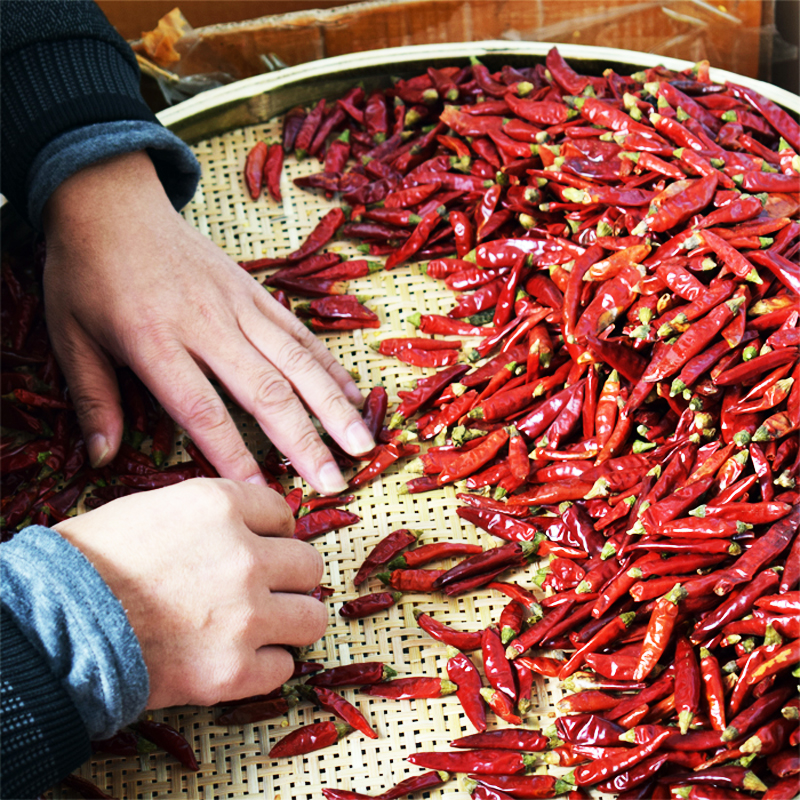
(128, 281)
(212, 584)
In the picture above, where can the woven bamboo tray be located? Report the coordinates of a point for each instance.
(224, 125)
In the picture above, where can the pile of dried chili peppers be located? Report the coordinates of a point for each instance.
(625, 253)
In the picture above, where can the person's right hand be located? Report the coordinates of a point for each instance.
(212, 582)
(128, 281)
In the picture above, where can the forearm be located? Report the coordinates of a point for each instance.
(43, 736)
(53, 128)
(57, 597)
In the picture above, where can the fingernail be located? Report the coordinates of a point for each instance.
(353, 394)
(257, 480)
(98, 448)
(359, 439)
(330, 479)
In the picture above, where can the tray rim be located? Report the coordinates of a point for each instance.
(183, 117)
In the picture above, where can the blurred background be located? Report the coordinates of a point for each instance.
(202, 43)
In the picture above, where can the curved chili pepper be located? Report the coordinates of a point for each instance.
(410, 688)
(309, 739)
(317, 523)
(360, 674)
(765, 548)
(479, 762)
(168, 738)
(426, 553)
(368, 604)
(461, 640)
(257, 711)
(463, 673)
(519, 739)
(608, 633)
(384, 551)
(758, 712)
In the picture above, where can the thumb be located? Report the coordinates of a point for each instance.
(95, 394)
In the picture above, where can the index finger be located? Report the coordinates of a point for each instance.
(189, 398)
(262, 509)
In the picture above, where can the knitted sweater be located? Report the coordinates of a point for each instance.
(71, 666)
(70, 97)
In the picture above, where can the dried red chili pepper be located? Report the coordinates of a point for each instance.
(84, 788)
(168, 738)
(411, 580)
(520, 739)
(309, 739)
(257, 711)
(359, 674)
(384, 551)
(368, 604)
(423, 687)
(461, 640)
(254, 169)
(479, 762)
(317, 523)
(465, 676)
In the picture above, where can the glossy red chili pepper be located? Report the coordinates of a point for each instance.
(411, 688)
(368, 604)
(425, 392)
(426, 553)
(766, 547)
(760, 710)
(479, 762)
(383, 457)
(465, 676)
(659, 631)
(257, 711)
(84, 787)
(360, 674)
(384, 551)
(461, 640)
(254, 169)
(317, 523)
(309, 739)
(168, 738)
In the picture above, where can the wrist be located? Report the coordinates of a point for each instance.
(123, 186)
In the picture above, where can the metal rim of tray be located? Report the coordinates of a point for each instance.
(263, 97)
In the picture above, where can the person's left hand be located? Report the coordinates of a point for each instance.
(212, 582)
(129, 281)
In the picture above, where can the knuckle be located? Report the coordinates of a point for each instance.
(274, 392)
(315, 621)
(338, 406)
(284, 520)
(230, 675)
(307, 441)
(207, 412)
(90, 408)
(294, 358)
(316, 565)
(215, 495)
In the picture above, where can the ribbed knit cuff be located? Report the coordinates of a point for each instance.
(79, 82)
(176, 165)
(44, 737)
(71, 617)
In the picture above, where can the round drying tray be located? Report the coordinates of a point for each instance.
(222, 125)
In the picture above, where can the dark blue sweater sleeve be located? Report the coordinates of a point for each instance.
(44, 737)
(66, 70)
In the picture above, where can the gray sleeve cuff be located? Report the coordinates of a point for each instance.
(69, 614)
(176, 165)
